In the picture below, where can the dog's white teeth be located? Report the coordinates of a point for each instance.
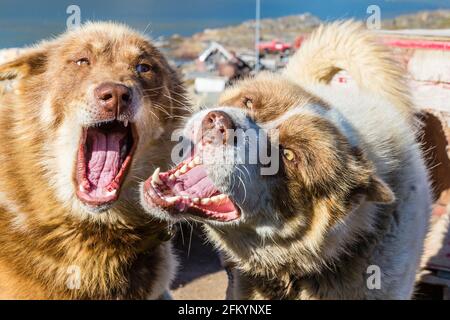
(184, 169)
(111, 193)
(205, 201)
(197, 160)
(191, 164)
(221, 196)
(195, 200)
(186, 197)
(218, 198)
(155, 177)
(172, 199)
(177, 173)
(172, 177)
(125, 123)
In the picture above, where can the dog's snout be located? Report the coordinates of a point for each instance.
(217, 123)
(113, 97)
(218, 120)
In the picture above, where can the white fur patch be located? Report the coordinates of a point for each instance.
(19, 222)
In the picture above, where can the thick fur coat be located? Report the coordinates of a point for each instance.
(346, 214)
(52, 244)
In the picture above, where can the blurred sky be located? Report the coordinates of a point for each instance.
(23, 22)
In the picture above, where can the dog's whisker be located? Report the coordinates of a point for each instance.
(242, 182)
(177, 101)
(190, 238)
(160, 108)
(153, 89)
(154, 114)
(181, 231)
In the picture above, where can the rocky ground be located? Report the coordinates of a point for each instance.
(439, 19)
(240, 38)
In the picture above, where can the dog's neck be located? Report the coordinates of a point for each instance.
(272, 269)
(80, 259)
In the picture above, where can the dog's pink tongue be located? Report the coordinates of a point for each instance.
(195, 183)
(103, 159)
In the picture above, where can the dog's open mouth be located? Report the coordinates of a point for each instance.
(104, 157)
(187, 188)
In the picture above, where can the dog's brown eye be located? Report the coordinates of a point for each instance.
(288, 154)
(83, 61)
(143, 67)
(248, 103)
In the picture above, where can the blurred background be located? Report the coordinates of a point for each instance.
(23, 22)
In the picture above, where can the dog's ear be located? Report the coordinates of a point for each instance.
(379, 191)
(370, 184)
(30, 63)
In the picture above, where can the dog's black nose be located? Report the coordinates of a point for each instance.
(113, 97)
(217, 124)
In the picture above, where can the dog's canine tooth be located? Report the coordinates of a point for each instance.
(125, 123)
(155, 176)
(184, 169)
(111, 193)
(172, 199)
(205, 201)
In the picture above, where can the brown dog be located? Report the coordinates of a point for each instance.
(343, 211)
(86, 115)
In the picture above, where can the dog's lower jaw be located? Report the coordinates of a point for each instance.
(97, 209)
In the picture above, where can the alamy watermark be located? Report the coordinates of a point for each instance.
(73, 281)
(373, 281)
(373, 22)
(74, 19)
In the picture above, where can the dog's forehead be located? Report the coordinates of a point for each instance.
(294, 115)
(109, 44)
(109, 40)
(273, 98)
(262, 87)
(122, 47)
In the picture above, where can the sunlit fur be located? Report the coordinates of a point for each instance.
(44, 228)
(356, 193)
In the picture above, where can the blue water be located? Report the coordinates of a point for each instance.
(24, 22)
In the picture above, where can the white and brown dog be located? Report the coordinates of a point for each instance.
(350, 197)
(86, 114)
